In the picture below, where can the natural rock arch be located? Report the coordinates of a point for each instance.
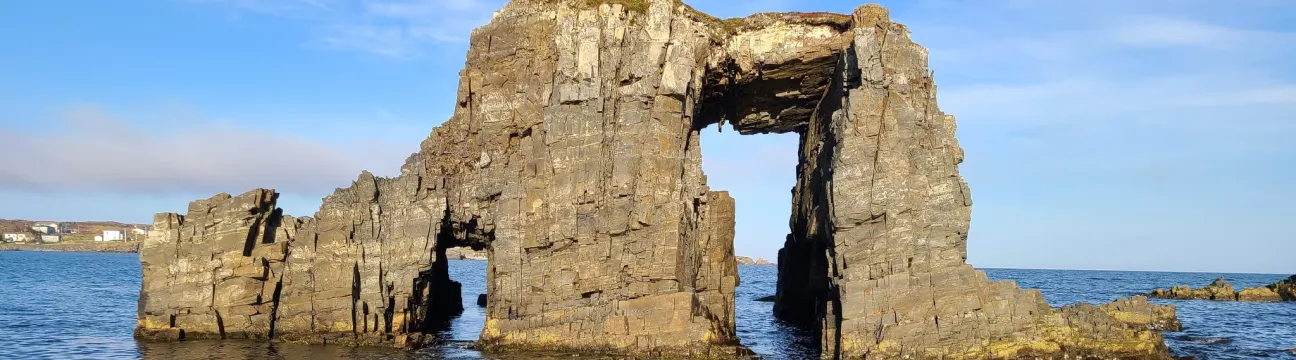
(573, 157)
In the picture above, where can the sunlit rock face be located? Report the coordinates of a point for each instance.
(573, 159)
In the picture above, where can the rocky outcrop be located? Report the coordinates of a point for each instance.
(465, 254)
(573, 159)
(1217, 290)
(217, 272)
(1282, 290)
(1137, 311)
(743, 260)
(1220, 290)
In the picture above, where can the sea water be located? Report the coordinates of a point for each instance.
(82, 306)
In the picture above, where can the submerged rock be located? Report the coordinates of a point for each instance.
(1214, 340)
(574, 157)
(1220, 290)
(766, 299)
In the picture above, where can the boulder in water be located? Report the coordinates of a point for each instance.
(743, 260)
(1220, 290)
(481, 300)
(1217, 290)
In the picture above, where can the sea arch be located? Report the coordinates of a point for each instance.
(573, 158)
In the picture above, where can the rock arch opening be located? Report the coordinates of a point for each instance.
(790, 82)
(462, 254)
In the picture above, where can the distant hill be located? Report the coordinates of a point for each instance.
(743, 260)
(79, 227)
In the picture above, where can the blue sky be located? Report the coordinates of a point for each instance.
(1134, 135)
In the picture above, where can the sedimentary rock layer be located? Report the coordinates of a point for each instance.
(573, 159)
(1220, 290)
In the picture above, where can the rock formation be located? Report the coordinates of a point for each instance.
(1138, 311)
(1217, 290)
(1220, 290)
(573, 159)
(743, 260)
(465, 254)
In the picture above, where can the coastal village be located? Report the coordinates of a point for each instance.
(25, 232)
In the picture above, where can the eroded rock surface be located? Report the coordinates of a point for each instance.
(573, 160)
(1220, 290)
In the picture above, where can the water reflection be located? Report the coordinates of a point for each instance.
(250, 349)
(82, 306)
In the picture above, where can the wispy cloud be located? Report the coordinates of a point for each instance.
(91, 149)
(400, 29)
(293, 8)
(1158, 31)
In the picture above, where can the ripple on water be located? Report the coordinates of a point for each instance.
(82, 306)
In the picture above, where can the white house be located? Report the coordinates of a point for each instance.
(56, 227)
(44, 229)
(98, 237)
(138, 231)
(16, 237)
(51, 238)
(113, 235)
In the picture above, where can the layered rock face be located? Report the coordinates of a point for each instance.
(215, 273)
(573, 160)
(1220, 290)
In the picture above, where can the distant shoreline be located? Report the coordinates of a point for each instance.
(103, 247)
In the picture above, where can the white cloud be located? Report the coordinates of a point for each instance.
(90, 149)
(1158, 31)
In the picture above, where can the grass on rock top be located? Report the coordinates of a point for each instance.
(640, 6)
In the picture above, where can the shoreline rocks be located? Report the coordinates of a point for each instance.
(1221, 290)
(743, 260)
(104, 247)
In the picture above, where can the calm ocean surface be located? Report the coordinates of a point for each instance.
(82, 306)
